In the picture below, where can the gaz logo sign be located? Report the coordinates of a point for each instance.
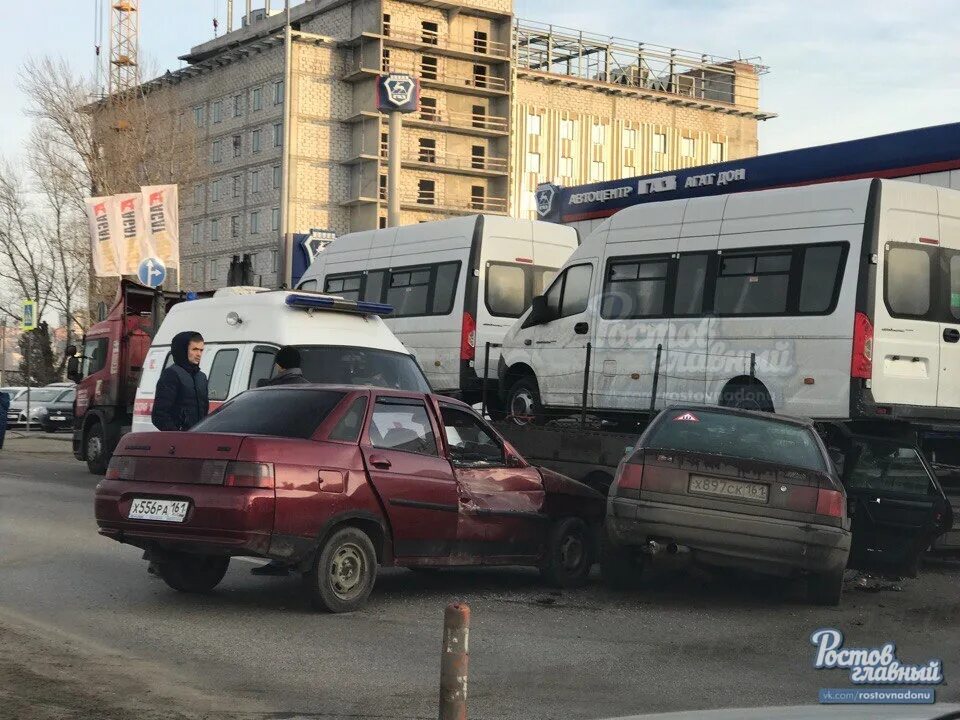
(545, 195)
(398, 92)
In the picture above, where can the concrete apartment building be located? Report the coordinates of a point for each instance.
(505, 104)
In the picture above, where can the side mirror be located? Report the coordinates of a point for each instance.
(539, 312)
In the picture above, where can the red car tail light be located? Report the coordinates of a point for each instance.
(631, 477)
(248, 474)
(830, 503)
(121, 468)
(468, 338)
(861, 363)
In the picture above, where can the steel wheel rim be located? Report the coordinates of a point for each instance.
(521, 407)
(571, 551)
(94, 446)
(347, 570)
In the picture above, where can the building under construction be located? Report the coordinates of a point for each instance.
(291, 139)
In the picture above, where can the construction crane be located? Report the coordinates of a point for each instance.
(124, 71)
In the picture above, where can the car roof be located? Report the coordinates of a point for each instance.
(758, 414)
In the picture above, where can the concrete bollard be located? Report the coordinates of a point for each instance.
(454, 657)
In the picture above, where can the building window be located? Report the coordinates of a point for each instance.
(198, 195)
(598, 134)
(716, 152)
(533, 162)
(237, 145)
(428, 109)
(237, 105)
(629, 171)
(254, 222)
(629, 138)
(215, 189)
(596, 171)
(479, 116)
(275, 260)
(428, 68)
(218, 111)
(687, 147)
(480, 42)
(217, 151)
(235, 226)
(385, 60)
(566, 129)
(430, 32)
(180, 122)
(382, 223)
(255, 141)
(480, 76)
(478, 157)
(195, 232)
(277, 177)
(383, 187)
(277, 134)
(278, 92)
(236, 186)
(196, 272)
(254, 181)
(478, 197)
(565, 167)
(257, 98)
(198, 116)
(214, 229)
(275, 219)
(533, 124)
(386, 24)
(428, 150)
(426, 192)
(214, 269)
(660, 143)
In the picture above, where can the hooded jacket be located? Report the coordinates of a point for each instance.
(181, 400)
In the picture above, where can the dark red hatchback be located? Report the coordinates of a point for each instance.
(334, 481)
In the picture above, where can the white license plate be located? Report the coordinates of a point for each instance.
(13, 416)
(59, 418)
(728, 489)
(163, 510)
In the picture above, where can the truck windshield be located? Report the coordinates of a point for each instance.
(345, 365)
(740, 436)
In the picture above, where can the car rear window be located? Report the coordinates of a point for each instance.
(279, 412)
(737, 436)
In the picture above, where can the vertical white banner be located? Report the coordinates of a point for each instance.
(129, 217)
(163, 223)
(104, 236)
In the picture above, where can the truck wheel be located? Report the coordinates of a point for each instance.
(193, 573)
(523, 402)
(621, 567)
(343, 572)
(826, 588)
(96, 450)
(569, 553)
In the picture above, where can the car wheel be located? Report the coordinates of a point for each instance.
(343, 573)
(825, 588)
(523, 402)
(621, 567)
(189, 573)
(569, 553)
(96, 450)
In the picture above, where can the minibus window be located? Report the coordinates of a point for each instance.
(506, 290)
(955, 286)
(753, 285)
(691, 278)
(821, 266)
(445, 288)
(576, 290)
(634, 289)
(373, 291)
(908, 274)
(541, 279)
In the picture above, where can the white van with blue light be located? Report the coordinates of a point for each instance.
(340, 341)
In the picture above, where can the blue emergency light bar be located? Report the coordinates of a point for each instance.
(320, 302)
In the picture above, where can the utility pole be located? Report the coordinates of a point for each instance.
(286, 246)
(3, 350)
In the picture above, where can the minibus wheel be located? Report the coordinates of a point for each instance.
(523, 402)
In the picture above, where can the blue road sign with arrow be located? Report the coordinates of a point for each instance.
(152, 272)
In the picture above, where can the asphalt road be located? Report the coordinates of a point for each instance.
(82, 625)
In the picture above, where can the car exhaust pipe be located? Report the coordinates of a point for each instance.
(653, 547)
(673, 548)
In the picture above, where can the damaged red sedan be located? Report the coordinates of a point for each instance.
(335, 481)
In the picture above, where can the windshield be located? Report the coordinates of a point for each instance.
(291, 413)
(737, 436)
(344, 365)
(41, 395)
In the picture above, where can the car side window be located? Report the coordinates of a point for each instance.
(401, 424)
(470, 442)
(348, 426)
(262, 366)
(883, 466)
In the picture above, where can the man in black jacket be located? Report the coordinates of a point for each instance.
(286, 367)
(181, 399)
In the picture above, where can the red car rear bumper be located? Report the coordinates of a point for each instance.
(235, 521)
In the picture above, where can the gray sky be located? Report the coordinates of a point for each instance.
(840, 69)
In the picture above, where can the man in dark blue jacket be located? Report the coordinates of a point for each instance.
(4, 406)
(181, 399)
